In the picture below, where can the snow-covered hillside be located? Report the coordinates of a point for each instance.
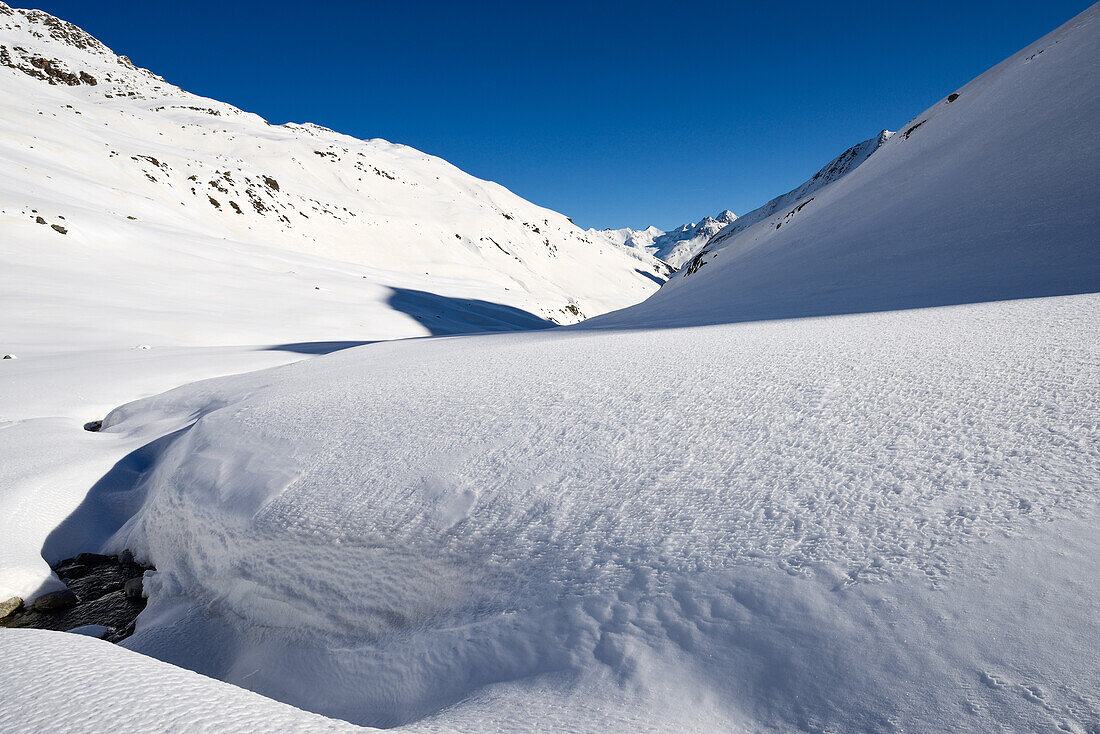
(688, 515)
(675, 247)
(987, 195)
(129, 205)
(834, 170)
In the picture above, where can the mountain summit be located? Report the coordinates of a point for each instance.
(675, 247)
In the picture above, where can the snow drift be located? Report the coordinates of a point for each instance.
(134, 212)
(150, 237)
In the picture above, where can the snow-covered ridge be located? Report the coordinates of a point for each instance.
(683, 243)
(834, 170)
(94, 150)
(947, 210)
(675, 247)
(680, 246)
(74, 53)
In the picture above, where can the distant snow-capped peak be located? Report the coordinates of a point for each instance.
(674, 247)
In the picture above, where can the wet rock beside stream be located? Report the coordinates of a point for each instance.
(104, 594)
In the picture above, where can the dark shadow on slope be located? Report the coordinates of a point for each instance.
(315, 347)
(444, 315)
(111, 501)
(793, 281)
(651, 276)
(96, 586)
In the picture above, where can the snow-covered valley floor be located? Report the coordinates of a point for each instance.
(868, 522)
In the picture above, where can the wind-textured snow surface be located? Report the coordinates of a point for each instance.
(54, 681)
(788, 531)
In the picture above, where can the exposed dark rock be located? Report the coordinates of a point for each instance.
(10, 606)
(94, 559)
(58, 228)
(150, 159)
(53, 600)
(72, 571)
(39, 220)
(912, 129)
(952, 97)
(697, 262)
(108, 593)
(93, 426)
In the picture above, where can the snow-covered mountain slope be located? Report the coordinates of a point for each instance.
(675, 247)
(680, 246)
(640, 239)
(867, 522)
(129, 206)
(834, 170)
(683, 243)
(987, 195)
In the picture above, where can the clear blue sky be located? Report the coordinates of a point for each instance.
(615, 113)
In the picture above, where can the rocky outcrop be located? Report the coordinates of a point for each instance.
(9, 607)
